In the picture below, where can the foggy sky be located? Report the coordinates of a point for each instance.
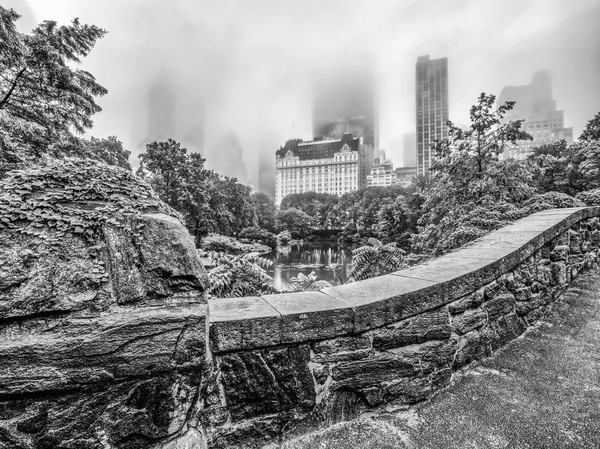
(246, 65)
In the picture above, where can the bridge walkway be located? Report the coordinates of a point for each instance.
(540, 391)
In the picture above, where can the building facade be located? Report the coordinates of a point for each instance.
(534, 104)
(405, 175)
(382, 174)
(322, 166)
(431, 107)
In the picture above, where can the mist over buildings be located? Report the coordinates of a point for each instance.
(210, 72)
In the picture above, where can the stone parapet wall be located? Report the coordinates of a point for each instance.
(287, 363)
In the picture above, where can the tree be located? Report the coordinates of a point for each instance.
(295, 221)
(42, 99)
(265, 211)
(208, 201)
(317, 205)
(591, 133)
(467, 175)
(109, 150)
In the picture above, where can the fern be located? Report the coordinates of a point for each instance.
(303, 283)
(237, 276)
(375, 259)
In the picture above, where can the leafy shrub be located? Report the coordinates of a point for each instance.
(590, 198)
(284, 238)
(550, 200)
(375, 259)
(256, 234)
(223, 244)
(305, 283)
(237, 276)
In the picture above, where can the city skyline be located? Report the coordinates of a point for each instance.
(254, 74)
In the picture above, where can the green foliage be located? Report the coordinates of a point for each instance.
(74, 196)
(284, 238)
(109, 150)
(549, 200)
(298, 223)
(209, 202)
(237, 276)
(591, 133)
(319, 206)
(229, 245)
(265, 211)
(590, 197)
(375, 259)
(469, 181)
(256, 234)
(42, 98)
(303, 283)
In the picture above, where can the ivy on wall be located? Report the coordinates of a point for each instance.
(76, 196)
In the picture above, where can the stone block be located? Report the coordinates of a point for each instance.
(430, 325)
(309, 316)
(559, 273)
(261, 382)
(469, 320)
(471, 347)
(560, 253)
(243, 323)
(342, 348)
(501, 305)
(470, 301)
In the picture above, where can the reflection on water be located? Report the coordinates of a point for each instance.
(319, 257)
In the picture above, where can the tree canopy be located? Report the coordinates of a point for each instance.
(43, 100)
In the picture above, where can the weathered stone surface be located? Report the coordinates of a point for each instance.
(469, 320)
(471, 346)
(559, 273)
(469, 301)
(342, 348)
(102, 338)
(408, 361)
(500, 305)
(430, 325)
(307, 316)
(267, 381)
(243, 323)
(560, 252)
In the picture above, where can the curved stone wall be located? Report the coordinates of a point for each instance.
(131, 359)
(284, 363)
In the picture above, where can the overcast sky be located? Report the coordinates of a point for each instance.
(250, 61)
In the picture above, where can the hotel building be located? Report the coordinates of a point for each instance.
(322, 166)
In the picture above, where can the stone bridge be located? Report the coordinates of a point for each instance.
(134, 357)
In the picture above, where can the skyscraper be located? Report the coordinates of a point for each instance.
(161, 109)
(534, 104)
(431, 107)
(344, 98)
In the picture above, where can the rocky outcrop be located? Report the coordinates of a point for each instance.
(102, 313)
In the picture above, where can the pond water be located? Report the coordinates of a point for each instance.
(328, 260)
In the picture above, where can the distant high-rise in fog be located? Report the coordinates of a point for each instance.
(266, 173)
(409, 152)
(344, 98)
(161, 109)
(226, 158)
(534, 104)
(431, 107)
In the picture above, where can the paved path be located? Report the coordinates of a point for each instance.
(540, 391)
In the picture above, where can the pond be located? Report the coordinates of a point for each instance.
(329, 260)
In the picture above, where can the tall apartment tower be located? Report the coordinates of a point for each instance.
(431, 107)
(535, 105)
